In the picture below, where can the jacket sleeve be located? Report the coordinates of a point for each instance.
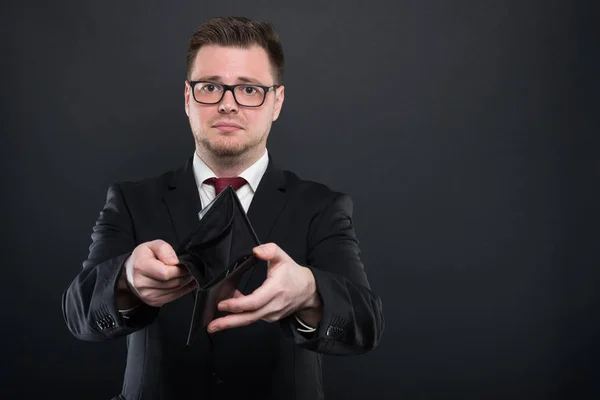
(352, 318)
(88, 304)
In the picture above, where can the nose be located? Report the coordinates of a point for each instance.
(228, 103)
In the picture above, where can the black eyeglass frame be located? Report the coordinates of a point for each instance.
(231, 88)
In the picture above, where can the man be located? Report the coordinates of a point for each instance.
(307, 297)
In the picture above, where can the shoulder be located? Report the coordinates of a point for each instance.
(149, 187)
(315, 194)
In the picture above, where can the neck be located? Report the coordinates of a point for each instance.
(229, 166)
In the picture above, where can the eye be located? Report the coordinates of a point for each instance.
(210, 88)
(250, 90)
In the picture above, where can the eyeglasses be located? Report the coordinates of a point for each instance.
(245, 95)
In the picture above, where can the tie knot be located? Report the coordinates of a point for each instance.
(222, 183)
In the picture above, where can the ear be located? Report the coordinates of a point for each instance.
(187, 93)
(279, 96)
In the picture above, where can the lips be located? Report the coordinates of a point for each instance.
(227, 126)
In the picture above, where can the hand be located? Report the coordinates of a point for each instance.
(289, 288)
(151, 273)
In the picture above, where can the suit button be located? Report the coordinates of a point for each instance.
(334, 331)
(105, 322)
(217, 379)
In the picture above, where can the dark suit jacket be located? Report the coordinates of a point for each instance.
(310, 222)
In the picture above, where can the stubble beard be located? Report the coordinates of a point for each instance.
(227, 151)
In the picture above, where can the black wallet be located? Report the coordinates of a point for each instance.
(217, 253)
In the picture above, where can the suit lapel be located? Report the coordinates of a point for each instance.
(268, 202)
(183, 201)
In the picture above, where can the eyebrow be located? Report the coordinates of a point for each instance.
(217, 78)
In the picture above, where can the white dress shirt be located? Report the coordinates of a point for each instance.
(252, 175)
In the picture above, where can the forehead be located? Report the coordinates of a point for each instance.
(232, 63)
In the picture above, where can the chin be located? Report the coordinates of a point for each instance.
(226, 146)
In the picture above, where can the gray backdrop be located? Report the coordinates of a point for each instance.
(464, 132)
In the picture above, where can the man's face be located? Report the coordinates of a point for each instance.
(227, 129)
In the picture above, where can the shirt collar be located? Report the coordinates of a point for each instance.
(252, 174)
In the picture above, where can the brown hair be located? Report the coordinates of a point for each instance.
(238, 32)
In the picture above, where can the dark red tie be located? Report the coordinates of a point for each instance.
(222, 183)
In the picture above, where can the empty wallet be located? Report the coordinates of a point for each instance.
(217, 253)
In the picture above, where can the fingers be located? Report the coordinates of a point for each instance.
(234, 320)
(157, 298)
(144, 282)
(163, 251)
(246, 318)
(155, 269)
(154, 276)
(172, 294)
(270, 252)
(157, 260)
(254, 301)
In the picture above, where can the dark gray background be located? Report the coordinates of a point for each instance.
(464, 132)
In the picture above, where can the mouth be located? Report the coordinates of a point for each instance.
(227, 126)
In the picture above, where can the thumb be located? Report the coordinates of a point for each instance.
(270, 252)
(163, 252)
